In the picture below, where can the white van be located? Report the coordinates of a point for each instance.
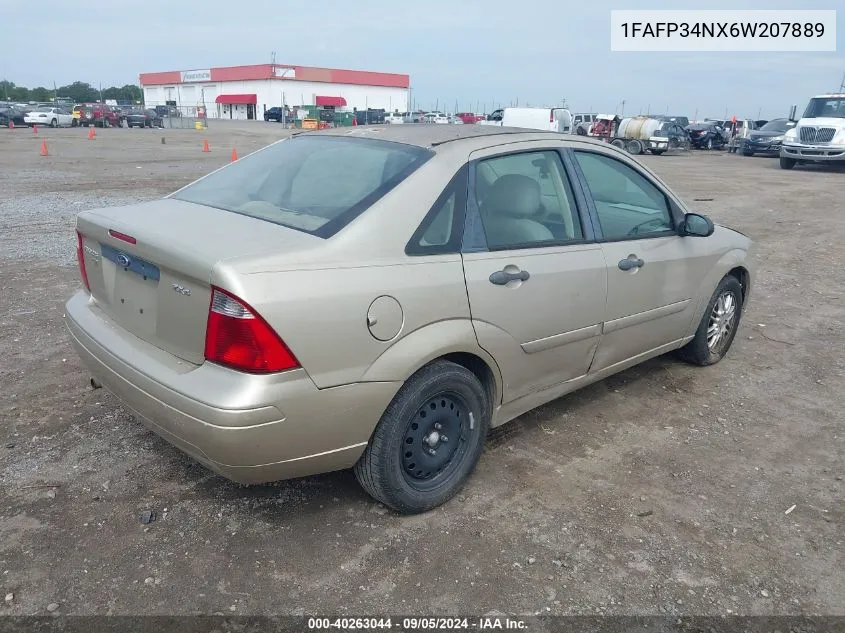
(549, 119)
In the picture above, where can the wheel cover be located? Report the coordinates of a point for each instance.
(722, 321)
(436, 441)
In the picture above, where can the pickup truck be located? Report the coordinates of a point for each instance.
(819, 135)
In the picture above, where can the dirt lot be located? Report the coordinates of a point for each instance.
(664, 489)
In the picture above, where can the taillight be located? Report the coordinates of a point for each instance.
(239, 338)
(80, 256)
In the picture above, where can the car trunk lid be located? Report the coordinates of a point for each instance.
(149, 265)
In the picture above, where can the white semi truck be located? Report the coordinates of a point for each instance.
(819, 136)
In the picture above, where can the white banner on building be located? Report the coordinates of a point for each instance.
(195, 75)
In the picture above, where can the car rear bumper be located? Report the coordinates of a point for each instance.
(248, 428)
(814, 152)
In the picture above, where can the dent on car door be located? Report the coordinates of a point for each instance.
(653, 274)
(536, 286)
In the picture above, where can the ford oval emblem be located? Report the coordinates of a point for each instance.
(123, 260)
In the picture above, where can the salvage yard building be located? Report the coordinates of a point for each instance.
(246, 92)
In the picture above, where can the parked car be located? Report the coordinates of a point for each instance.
(436, 117)
(707, 135)
(468, 117)
(139, 117)
(394, 118)
(11, 116)
(768, 139)
(413, 117)
(277, 114)
(680, 120)
(96, 114)
(165, 111)
(291, 328)
(582, 121)
(49, 116)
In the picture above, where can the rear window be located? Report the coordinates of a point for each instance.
(315, 184)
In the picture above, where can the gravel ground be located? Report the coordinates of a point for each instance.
(662, 490)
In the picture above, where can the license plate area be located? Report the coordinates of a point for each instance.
(134, 290)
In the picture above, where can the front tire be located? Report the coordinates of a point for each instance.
(718, 325)
(709, 143)
(787, 163)
(745, 152)
(428, 441)
(54, 123)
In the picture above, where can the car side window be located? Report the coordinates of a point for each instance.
(628, 205)
(440, 231)
(525, 200)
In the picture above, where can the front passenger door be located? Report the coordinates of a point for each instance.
(652, 272)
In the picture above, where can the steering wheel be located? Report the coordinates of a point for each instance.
(636, 229)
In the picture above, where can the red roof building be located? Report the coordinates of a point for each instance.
(246, 92)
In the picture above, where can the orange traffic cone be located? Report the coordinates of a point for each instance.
(44, 148)
(91, 133)
(205, 146)
(35, 128)
(234, 154)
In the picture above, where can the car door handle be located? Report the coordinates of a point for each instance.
(500, 277)
(628, 263)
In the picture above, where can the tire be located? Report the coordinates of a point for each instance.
(634, 147)
(745, 152)
(709, 143)
(727, 298)
(657, 152)
(787, 163)
(430, 402)
(54, 123)
(618, 143)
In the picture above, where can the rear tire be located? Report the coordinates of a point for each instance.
(787, 163)
(410, 463)
(718, 325)
(54, 123)
(745, 152)
(634, 147)
(618, 143)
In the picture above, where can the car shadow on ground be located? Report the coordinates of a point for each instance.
(312, 495)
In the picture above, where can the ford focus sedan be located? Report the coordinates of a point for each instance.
(379, 298)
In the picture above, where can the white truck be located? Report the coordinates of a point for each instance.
(819, 136)
(549, 119)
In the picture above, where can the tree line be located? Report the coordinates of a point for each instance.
(78, 92)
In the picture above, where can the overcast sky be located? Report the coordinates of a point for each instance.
(468, 51)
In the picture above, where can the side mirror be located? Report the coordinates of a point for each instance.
(792, 112)
(696, 225)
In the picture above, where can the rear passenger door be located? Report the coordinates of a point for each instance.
(536, 284)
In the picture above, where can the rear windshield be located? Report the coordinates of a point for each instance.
(315, 184)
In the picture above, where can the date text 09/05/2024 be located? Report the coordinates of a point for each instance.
(416, 623)
(723, 29)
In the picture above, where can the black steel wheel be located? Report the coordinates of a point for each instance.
(435, 440)
(429, 439)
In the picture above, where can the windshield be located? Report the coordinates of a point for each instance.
(777, 125)
(316, 184)
(702, 126)
(825, 107)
